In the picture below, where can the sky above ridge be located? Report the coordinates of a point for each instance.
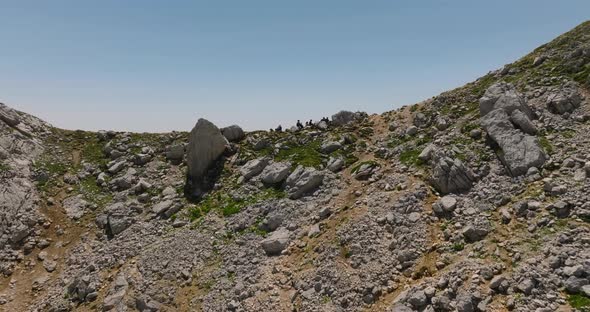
(154, 66)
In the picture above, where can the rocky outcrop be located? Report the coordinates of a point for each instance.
(450, 175)
(335, 164)
(564, 100)
(175, 153)
(330, 146)
(507, 120)
(9, 115)
(20, 146)
(505, 97)
(81, 288)
(205, 146)
(365, 171)
(345, 117)
(254, 167)
(302, 181)
(275, 173)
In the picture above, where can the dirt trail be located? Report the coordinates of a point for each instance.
(62, 234)
(425, 265)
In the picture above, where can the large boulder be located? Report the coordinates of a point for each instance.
(303, 181)
(365, 171)
(565, 100)
(9, 115)
(276, 242)
(520, 151)
(344, 117)
(507, 120)
(451, 175)
(474, 233)
(233, 133)
(330, 146)
(175, 153)
(335, 164)
(275, 173)
(206, 144)
(503, 96)
(420, 120)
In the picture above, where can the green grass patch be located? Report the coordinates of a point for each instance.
(93, 193)
(356, 168)
(347, 153)
(307, 155)
(255, 229)
(410, 157)
(53, 170)
(92, 152)
(579, 301)
(546, 145)
(467, 128)
(397, 141)
(4, 167)
(227, 205)
(458, 247)
(366, 132)
(568, 134)
(51, 167)
(583, 77)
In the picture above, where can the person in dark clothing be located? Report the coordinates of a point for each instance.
(299, 125)
(279, 129)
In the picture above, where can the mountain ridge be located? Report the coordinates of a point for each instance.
(473, 200)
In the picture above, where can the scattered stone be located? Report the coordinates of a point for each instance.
(329, 147)
(275, 173)
(254, 167)
(565, 100)
(335, 164)
(175, 153)
(276, 242)
(303, 181)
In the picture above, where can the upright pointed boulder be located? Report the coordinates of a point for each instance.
(205, 146)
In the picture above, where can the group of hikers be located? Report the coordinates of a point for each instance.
(300, 126)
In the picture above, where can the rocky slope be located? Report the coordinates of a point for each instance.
(475, 200)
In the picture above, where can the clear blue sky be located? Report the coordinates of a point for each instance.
(146, 65)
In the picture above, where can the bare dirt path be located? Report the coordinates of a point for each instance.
(25, 285)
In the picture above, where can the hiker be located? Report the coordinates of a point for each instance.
(299, 125)
(279, 129)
